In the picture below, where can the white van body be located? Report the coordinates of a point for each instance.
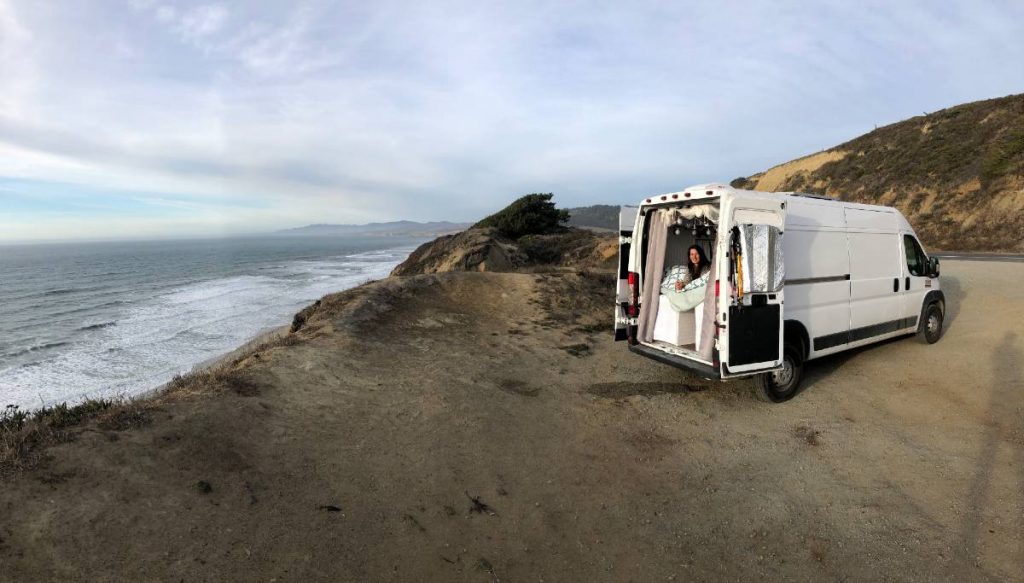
(854, 274)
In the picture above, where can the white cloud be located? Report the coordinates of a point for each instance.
(194, 24)
(382, 110)
(17, 63)
(167, 14)
(281, 50)
(203, 21)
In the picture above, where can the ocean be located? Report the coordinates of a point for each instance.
(120, 319)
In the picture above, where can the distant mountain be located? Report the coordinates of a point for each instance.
(391, 229)
(957, 174)
(601, 216)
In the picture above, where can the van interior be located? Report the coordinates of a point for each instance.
(674, 305)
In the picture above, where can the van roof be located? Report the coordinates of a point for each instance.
(716, 190)
(696, 192)
(713, 190)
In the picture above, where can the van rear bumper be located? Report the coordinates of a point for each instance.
(699, 368)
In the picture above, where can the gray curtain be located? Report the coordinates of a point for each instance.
(657, 235)
(707, 325)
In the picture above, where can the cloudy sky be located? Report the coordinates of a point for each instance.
(147, 118)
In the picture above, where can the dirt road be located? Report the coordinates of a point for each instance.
(483, 427)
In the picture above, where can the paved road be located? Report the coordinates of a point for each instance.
(980, 257)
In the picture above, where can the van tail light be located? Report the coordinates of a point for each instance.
(634, 294)
(717, 286)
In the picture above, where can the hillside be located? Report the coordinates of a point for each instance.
(601, 216)
(957, 174)
(529, 234)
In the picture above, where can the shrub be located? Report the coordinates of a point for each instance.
(22, 433)
(533, 214)
(558, 248)
(1002, 155)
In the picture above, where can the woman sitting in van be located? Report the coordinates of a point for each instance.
(685, 286)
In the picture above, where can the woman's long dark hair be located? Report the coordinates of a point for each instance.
(696, 270)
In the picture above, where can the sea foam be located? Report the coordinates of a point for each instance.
(150, 341)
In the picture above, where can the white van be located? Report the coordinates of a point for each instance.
(790, 277)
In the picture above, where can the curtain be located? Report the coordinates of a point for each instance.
(657, 236)
(707, 326)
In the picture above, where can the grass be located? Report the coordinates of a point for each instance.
(966, 156)
(942, 149)
(24, 435)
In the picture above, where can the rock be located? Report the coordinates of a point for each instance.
(483, 249)
(477, 249)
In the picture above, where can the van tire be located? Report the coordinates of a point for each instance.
(783, 385)
(931, 326)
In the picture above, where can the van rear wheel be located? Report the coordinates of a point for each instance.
(781, 385)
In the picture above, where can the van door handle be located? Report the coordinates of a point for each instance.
(895, 284)
(907, 285)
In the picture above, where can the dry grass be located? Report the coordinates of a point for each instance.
(24, 436)
(956, 174)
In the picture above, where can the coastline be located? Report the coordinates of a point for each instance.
(408, 430)
(261, 338)
(264, 336)
(150, 344)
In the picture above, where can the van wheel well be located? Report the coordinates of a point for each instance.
(932, 297)
(794, 330)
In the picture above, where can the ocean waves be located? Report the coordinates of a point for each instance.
(137, 340)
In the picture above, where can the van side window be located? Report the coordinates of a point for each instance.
(917, 262)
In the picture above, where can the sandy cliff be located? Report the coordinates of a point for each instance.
(481, 426)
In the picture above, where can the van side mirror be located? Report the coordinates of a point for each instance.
(933, 267)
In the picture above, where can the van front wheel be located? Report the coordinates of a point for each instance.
(932, 327)
(781, 385)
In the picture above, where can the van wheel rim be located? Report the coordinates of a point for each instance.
(933, 324)
(782, 378)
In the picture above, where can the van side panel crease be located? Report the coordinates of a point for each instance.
(862, 333)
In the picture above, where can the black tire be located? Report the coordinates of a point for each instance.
(931, 326)
(782, 385)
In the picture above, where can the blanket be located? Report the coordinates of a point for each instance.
(690, 296)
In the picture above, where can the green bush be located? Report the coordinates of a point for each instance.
(557, 248)
(741, 183)
(533, 214)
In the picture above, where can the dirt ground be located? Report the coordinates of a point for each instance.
(484, 427)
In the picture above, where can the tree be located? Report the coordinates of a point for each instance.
(533, 214)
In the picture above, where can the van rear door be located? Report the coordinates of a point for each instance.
(623, 293)
(752, 339)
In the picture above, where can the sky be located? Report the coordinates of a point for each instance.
(124, 119)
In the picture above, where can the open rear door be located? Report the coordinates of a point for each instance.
(623, 294)
(753, 339)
